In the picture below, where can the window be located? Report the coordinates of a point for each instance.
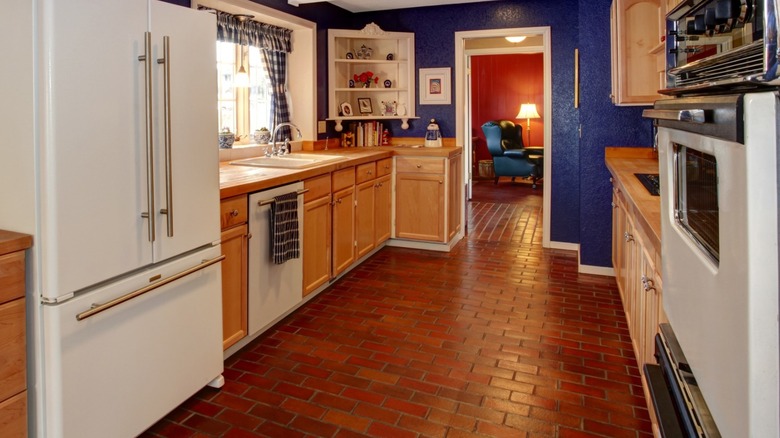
(242, 109)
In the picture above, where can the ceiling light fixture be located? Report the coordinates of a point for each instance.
(515, 39)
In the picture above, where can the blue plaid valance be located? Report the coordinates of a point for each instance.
(231, 29)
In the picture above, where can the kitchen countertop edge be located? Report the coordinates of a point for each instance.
(622, 163)
(238, 180)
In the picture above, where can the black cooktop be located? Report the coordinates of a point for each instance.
(651, 182)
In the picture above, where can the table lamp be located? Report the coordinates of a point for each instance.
(528, 112)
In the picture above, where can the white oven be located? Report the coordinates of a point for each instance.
(719, 235)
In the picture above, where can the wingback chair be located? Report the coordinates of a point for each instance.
(510, 158)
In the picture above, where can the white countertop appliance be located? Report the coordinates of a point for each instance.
(127, 324)
(719, 238)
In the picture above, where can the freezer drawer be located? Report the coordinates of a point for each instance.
(116, 372)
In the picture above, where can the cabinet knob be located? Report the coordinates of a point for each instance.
(628, 236)
(387, 167)
(234, 213)
(441, 182)
(614, 205)
(647, 284)
(419, 166)
(369, 172)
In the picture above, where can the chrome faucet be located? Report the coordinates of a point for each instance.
(284, 150)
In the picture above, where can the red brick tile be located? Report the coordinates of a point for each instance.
(498, 337)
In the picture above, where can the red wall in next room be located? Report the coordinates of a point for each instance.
(499, 84)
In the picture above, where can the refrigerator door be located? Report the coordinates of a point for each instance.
(115, 373)
(91, 123)
(190, 192)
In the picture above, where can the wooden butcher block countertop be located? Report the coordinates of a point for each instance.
(623, 163)
(238, 180)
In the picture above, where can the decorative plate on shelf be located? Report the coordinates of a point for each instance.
(387, 83)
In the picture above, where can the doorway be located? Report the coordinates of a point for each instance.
(493, 42)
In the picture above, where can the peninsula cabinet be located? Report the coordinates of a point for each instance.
(427, 195)
(234, 240)
(316, 233)
(13, 344)
(636, 42)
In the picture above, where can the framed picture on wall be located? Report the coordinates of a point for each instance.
(435, 86)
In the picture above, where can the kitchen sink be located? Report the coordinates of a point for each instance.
(289, 161)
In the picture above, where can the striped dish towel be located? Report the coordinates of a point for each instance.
(284, 228)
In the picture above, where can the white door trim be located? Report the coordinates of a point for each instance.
(463, 136)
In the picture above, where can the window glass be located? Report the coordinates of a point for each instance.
(242, 110)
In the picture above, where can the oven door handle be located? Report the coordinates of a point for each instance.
(687, 115)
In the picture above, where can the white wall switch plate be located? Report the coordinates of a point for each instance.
(321, 127)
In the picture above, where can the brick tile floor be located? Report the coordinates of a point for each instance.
(498, 338)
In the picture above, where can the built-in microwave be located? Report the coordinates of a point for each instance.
(721, 44)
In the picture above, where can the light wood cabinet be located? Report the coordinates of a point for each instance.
(383, 199)
(365, 217)
(343, 239)
(427, 198)
(234, 241)
(636, 41)
(13, 338)
(391, 59)
(316, 233)
(455, 195)
(639, 281)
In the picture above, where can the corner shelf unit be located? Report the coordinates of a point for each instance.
(399, 70)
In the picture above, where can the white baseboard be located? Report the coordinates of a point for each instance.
(583, 269)
(596, 270)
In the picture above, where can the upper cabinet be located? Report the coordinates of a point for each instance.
(637, 26)
(370, 75)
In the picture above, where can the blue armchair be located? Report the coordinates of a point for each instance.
(510, 158)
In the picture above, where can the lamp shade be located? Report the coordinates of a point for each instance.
(515, 39)
(528, 111)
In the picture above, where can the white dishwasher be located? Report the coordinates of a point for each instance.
(273, 289)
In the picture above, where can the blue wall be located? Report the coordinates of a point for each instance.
(581, 192)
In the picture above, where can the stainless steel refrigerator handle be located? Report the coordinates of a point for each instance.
(97, 308)
(690, 116)
(147, 58)
(166, 62)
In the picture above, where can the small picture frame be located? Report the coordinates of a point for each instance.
(349, 55)
(389, 107)
(390, 57)
(351, 83)
(388, 83)
(364, 105)
(346, 109)
(435, 86)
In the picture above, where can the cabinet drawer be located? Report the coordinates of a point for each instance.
(11, 276)
(365, 172)
(317, 187)
(13, 378)
(13, 416)
(419, 165)
(343, 178)
(384, 167)
(233, 211)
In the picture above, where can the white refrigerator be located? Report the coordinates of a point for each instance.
(127, 257)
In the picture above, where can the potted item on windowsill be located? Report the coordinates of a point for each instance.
(226, 139)
(262, 136)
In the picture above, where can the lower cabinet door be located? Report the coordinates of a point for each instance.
(419, 206)
(316, 244)
(234, 285)
(343, 229)
(365, 218)
(383, 209)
